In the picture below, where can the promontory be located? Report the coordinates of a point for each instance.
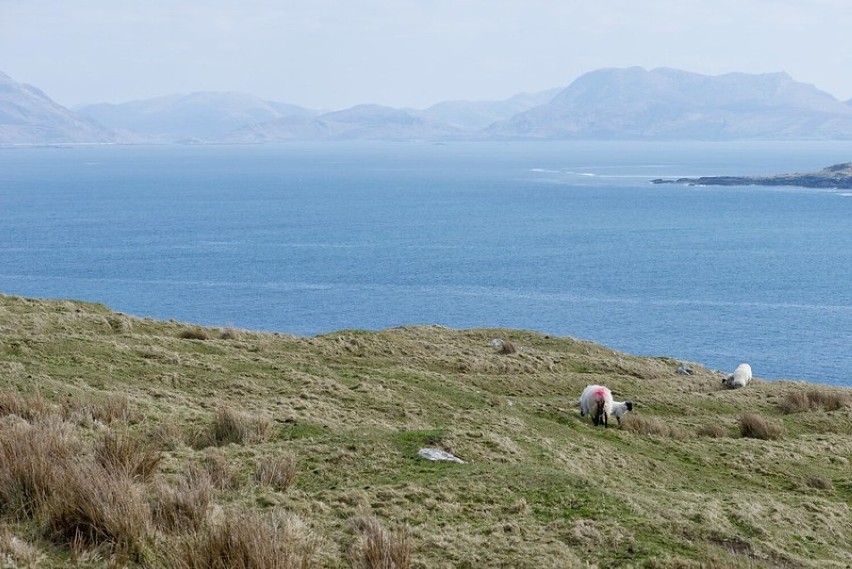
(837, 176)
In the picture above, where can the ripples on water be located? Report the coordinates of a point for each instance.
(564, 238)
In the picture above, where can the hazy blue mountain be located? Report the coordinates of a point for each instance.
(671, 104)
(204, 116)
(369, 122)
(28, 116)
(476, 115)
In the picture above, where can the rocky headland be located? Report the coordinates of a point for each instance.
(836, 176)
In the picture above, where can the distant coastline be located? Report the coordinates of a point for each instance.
(838, 176)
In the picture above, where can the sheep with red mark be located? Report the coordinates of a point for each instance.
(596, 401)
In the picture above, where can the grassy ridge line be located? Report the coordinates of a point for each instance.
(678, 486)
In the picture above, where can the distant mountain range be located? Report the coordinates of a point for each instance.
(607, 104)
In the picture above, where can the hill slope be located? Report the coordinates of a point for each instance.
(203, 115)
(102, 393)
(28, 116)
(666, 103)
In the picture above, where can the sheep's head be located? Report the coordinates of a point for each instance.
(629, 405)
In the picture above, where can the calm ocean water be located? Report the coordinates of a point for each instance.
(563, 238)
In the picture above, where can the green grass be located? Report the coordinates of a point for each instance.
(201, 427)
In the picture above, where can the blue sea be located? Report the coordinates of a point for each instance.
(565, 238)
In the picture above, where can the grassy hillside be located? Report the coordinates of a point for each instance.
(128, 441)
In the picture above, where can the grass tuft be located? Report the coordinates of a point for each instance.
(222, 473)
(754, 426)
(819, 482)
(194, 334)
(712, 431)
(31, 460)
(642, 425)
(247, 540)
(83, 408)
(94, 507)
(122, 454)
(277, 471)
(377, 548)
(183, 507)
(27, 407)
(814, 400)
(231, 426)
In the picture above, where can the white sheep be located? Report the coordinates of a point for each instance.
(740, 377)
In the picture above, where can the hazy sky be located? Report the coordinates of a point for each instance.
(333, 54)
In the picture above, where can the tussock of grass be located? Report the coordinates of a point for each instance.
(222, 473)
(194, 334)
(17, 552)
(642, 425)
(230, 426)
(754, 426)
(712, 431)
(277, 471)
(377, 548)
(126, 455)
(813, 400)
(507, 347)
(183, 507)
(88, 407)
(229, 334)
(44, 477)
(31, 465)
(94, 507)
(248, 540)
(26, 406)
(819, 482)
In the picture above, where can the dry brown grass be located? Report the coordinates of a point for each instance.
(168, 435)
(813, 400)
(123, 454)
(222, 473)
(44, 476)
(507, 347)
(247, 540)
(230, 426)
(642, 425)
(16, 552)
(277, 471)
(92, 507)
(87, 407)
(194, 334)
(819, 482)
(712, 431)
(377, 548)
(31, 465)
(26, 406)
(183, 507)
(754, 426)
(229, 334)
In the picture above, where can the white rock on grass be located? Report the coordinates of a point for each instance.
(436, 454)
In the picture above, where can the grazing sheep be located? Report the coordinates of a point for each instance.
(596, 400)
(740, 377)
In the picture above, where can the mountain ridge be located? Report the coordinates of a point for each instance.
(605, 104)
